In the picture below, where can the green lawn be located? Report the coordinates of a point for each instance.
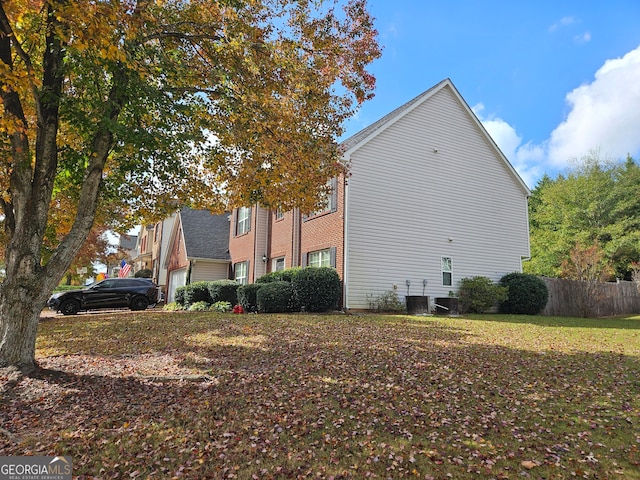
(204, 395)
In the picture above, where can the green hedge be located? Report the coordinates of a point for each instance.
(317, 289)
(247, 296)
(528, 294)
(197, 292)
(285, 275)
(479, 294)
(276, 297)
(224, 291)
(179, 295)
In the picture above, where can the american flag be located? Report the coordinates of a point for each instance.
(124, 269)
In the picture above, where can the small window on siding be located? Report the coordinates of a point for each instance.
(243, 220)
(279, 214)
(447, 271)
(241, 270)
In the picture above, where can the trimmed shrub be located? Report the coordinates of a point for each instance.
(528, 294)
(224, 291)
(479, 294)
(197, 292)
(279, 276)
(247, 296)
(144, 273)
(318, 289)
(200, 306)
(179, 295)
(275, 297)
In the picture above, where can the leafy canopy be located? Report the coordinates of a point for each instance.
(207, 103)
(597, 202)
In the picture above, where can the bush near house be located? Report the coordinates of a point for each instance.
(479, 294)
(144, 273)
(247, 296)
(279, 276)
(528, 294)
(179, 295)
(276, 297)
(224, 291)
(197, 292)
(317, 289)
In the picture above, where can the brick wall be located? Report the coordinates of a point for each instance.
(326, 230)
(242, 247)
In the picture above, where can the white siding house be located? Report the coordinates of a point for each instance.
(428, 183)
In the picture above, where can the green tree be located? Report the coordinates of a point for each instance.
(128, 110)
(596, 202)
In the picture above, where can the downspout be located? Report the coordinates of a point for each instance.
(345, 247)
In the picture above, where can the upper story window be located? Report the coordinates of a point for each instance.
(279, 214)
(447, 271)
(329, 200)
(243, 220)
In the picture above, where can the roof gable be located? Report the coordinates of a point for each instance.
(365, 135)
(205, 235)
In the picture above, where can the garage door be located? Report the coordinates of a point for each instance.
(177, 278)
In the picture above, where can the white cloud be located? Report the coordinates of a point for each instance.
(563, 22)
(527, 159)
(583, 37)
(603, 114)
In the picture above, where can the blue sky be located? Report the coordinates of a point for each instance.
(550, 80)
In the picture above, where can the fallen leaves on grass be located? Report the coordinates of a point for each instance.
(305, 396)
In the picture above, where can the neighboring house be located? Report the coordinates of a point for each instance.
(127, 245)
(430, 197)
(144, 249)
(198, 249)
(161, 236)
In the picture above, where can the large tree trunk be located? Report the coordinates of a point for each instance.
(28, 281)
(20, 309)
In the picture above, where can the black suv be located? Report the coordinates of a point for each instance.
(134, 293)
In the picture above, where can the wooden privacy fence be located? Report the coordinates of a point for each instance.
(570, 298)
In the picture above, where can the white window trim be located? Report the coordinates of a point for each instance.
(241, 267)
(243, 220)
(274, 264)
(444, 270)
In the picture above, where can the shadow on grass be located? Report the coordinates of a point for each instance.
(629, 322)
(323, 395)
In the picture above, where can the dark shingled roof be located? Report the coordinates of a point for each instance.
(205, 235)
(128, 242)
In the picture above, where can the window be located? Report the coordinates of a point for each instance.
(321, 258)
(447, 270)
(330, 199)
(241, 272)
(243, 220)
(277, 264)
(279, 214)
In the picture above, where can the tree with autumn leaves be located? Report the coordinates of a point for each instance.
(124, 110)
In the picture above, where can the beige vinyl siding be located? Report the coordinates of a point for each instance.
(203, 270)
(262, 232)
(406, 201)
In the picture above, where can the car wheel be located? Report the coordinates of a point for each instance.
(69, 307)
(139, 303)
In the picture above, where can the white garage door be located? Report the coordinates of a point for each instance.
(177, 278)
